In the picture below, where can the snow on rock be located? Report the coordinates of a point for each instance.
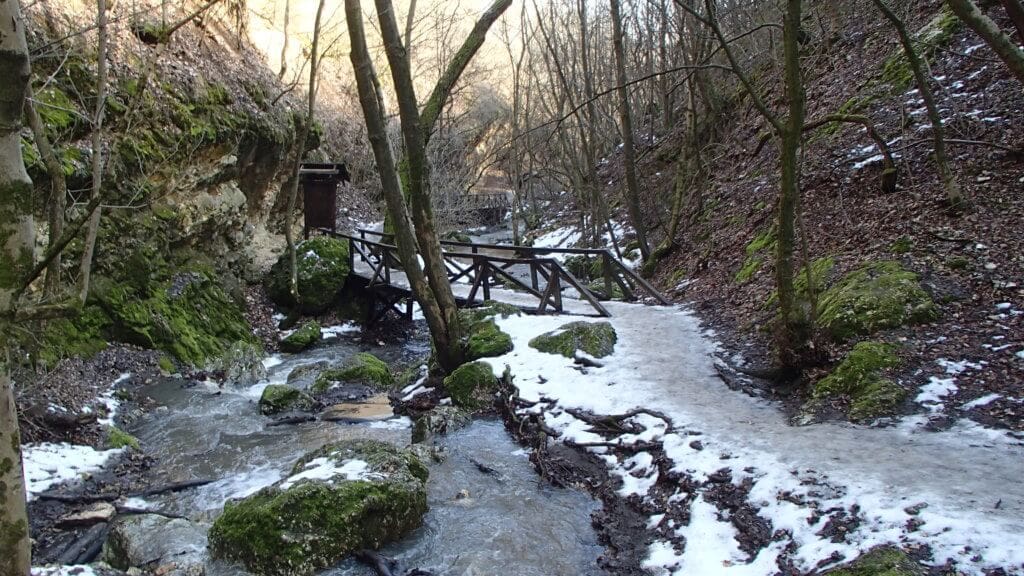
(798, 477)
(326, 468)
(48, 464)
(63, 571)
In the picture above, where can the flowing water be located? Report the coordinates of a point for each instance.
(510, 522)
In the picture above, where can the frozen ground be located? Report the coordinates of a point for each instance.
(958, 491)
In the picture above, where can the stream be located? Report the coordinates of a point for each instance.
(511, 522)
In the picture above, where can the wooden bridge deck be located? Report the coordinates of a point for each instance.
(531, 278)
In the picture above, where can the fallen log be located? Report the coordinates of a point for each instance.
(484, 467)
(170, 488)
(292, 420)
(88, 543)
(77, 498)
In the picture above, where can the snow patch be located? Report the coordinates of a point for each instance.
(48, 464)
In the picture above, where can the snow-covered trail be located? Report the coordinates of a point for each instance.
(969, 478)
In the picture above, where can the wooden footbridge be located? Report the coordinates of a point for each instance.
(532, 278)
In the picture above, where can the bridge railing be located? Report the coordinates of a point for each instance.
(481, 271)
(614, 271)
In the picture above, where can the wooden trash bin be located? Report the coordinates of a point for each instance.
(320, 195)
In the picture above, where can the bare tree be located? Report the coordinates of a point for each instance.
(85, 269)
(284, 46)
(999, 41)
(58, 187)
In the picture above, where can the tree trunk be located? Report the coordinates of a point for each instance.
(284, 47)
(391, 186)
(626, 121)
(17, 242)
(93, 228)
(791, 333)
(1003, 46)
(303, 135)
(954, 196)
(58, 189)
(1015, 9)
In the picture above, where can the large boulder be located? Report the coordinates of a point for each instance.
(596, 339)
(323, 269)
(860, 378)
(241, 365)
(277, 398)
(876, 296)
(438, 421)
(302, 338)
(341, 498)
(363, 368)
(172, 546)
(472, 385)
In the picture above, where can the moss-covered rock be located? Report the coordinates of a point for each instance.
(440, 420)
(117, 438)
(596, 339)
(302, 338)
(885, 561)
(600, 290)
(472, 385)
(344, 497)
(278, 398)
(860, 377)
(821, 270)
(323, 269)
(363, 368)
(486, 340)
(241, 364)
(874, 297)
(189, 316)
(81, 336)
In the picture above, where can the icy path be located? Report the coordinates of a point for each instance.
(969, 478)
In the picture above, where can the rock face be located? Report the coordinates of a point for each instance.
(322, 269)
(363, 368)
(151, 541)
(307, 335)
(472, 385)
(344, 497)
(440, 420)
(278, 398)
(596, 339)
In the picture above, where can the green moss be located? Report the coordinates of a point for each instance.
(860, 377)
(677, 276)
(189, 316)
(117, 438)
(323, 269)
(750, 266)
(440, 420)
(596, 339)
(363, 368)
(585, 268)
(80, 336)
(58, 112)
(471, 385)
(599, 289)
(278, 398)
(762, 242)
(958, 263)
(821, 269)
(876, 296)
(928, 40)
(487, 340)
(313, 524)
(302, 338)
(886, 561)
(902, 245)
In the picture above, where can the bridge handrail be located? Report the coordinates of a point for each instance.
(597, 252)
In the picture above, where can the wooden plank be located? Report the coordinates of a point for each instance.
(584, 292)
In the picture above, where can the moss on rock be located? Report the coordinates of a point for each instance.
(472, 385)
(876, 296)
(117, 438)
(323, 269)
(885, 561)
(80, 336)
(440, 420)
(189, 316)
(596, 339)
(300, 526)
(487, 340)
(363, 368)
(278, 398)
(860, 377)
(302, 338)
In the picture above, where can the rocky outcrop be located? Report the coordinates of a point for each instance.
(342, 498)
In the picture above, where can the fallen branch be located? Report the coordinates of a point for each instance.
(86, 547)
(77, 498)
(176, 487)
(130, 511)
(292, 420)
(484, 467)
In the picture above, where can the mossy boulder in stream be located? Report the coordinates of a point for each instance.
(363, 368)
(323, 269)
(241, 364)
(876, 296)
(486, 340)
(886, 561)
(438, 421)
(860, 377)
(341, 498)
(472, 385)
(302, 338)
(596, 339)
(278, 398)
